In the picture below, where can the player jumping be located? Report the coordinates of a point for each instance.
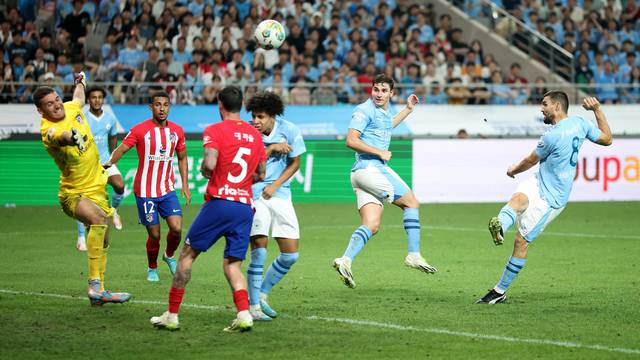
(374, 182)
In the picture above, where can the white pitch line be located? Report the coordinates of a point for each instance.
(314, 227)
(376, 324)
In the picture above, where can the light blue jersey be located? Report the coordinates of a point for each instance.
(558, 152)
(102, 127)
(283, 131)
(375, 125)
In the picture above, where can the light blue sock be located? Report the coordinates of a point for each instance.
(358, 240)
(116, 199)
(507, 218)
(254, 274)
(278, 269)
(81, 229)
(411, 219)
(510, 272)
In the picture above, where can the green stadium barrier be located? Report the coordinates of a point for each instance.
(30, 177)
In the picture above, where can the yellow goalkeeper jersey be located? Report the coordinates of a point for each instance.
(80, 171)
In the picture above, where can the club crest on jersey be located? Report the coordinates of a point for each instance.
(79, 119)
(173, 137)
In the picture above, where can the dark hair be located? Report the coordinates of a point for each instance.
(159, 94)
(558, 96)
(231, 98)
(382, 79)
(266, 102)
(40, 93)
(96, 88)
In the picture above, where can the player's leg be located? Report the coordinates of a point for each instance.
(117, 184)
(512, 269)
(148, 216)
(508, 215)
(286, 231)
(411, 221)
(203, 233)
(81, 243)
(239, 218)
(262, 220)
(170, 209)
(91, 210)
(169, 319)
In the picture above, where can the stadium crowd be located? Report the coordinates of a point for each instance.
(191, 49)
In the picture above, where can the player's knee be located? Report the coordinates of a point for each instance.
(288, 259)
(519, 202)
(118, 189)
(374, 227)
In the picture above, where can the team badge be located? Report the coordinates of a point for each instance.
(149, 217)
(79, 119)
(173, 137)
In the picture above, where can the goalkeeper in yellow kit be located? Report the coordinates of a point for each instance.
(67, 138)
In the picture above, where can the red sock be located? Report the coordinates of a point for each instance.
(175, 298)
(153, 247)
(241, 299)
(172, 244)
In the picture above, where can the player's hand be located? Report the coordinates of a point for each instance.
(78, 139)
(591, 103)
(268, 191)
(107, 164)
(510, 172)
(186, 193)
(412, 101)
(282, 147)
(80, 78)
(385, 155)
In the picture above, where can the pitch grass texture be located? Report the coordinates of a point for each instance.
(578, 296)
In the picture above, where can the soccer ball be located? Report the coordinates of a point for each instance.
(269, 34)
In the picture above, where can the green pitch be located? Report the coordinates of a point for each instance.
(577, 297)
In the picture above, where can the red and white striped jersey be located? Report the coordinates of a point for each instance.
(156, 146)
(240, 150)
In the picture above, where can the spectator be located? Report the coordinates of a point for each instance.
(462, 134)
(130, 59)
(606, 79)
(515, 76)
(540, 88)
(300, 94)
(436, 96)
(501, 94)
(76, 24)
(457, 93)
(324, 93)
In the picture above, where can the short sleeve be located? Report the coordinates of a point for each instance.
(132, 137)
(209, 139)
(593, 132)
(359, 120)
(296, 142)
(181, 145)
(545, 145)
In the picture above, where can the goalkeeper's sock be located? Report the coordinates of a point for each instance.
(81, 230)
(411, 220)
(510, 272)
(358, 240)
(241, 299)
(175, 299)
(173, 241)
(254, 274)
(507, 218)
(95, 249)
(277, 270)
(103, 267)
(153, 248)
(116, 199)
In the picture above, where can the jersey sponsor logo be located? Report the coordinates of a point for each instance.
(229, 191)
(162, 157)
(206, 139)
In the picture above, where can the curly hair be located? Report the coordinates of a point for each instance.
(266, 101)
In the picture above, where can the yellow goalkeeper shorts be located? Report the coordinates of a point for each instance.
(69, 202)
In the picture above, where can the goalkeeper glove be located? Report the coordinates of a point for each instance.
(78, 139)
(80, 78)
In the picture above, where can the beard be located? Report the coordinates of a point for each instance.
(548, 119)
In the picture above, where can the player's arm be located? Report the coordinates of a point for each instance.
(282, 147)
(260, 172)
(354, 142)
(524, 165)
(80, 82)
(606, 138)
(412, 100)
(116, 155)
(209, 162)
(183, 168)
(292, 166)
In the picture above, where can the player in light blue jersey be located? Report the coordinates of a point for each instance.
(542, 197)
(272, 201)
(104, 129)
(374, 182)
